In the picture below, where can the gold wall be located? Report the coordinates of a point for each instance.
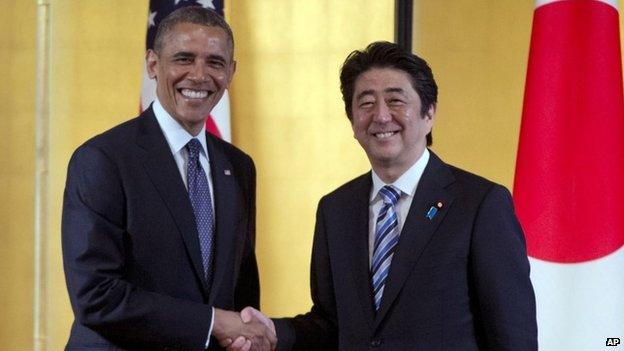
(478, 51)
(17, 154)
(287, 113)
(96, 58)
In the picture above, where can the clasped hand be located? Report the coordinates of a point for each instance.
(248, 331)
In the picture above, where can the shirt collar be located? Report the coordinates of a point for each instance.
(407, 182)
(177, 137)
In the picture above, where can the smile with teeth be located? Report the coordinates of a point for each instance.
(383, 135)
(194, 94)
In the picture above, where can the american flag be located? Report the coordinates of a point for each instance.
(218, 123)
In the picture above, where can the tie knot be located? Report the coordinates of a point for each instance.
(193, 148)
(390, 194)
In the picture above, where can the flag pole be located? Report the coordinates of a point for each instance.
(42, 118)
(403, 23)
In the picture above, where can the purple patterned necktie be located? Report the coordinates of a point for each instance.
(199, 193)
(386, 238)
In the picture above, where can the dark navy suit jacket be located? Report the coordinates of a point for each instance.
(458, 281)
(130, 245)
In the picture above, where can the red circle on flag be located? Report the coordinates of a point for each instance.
(569, 183)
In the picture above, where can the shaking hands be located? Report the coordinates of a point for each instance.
(248, 331)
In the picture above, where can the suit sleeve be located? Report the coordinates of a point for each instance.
(506, 302)
(247, 291)
(317, 329)
(94, 244)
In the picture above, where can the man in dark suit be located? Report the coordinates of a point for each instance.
(159, 217)
(417, 254)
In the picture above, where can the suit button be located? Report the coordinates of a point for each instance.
(376, 343)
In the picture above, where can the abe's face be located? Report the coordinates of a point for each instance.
(192, 71)
(387, 120)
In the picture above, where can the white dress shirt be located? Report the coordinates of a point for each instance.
(407, 184)
(177, 137)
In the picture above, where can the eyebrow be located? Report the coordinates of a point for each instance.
(190, 54)
(364, 93)
(394, 90)
(218, 58)
(387, 90)
(183, 54)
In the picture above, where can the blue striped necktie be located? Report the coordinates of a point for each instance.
(386, 239)
(199, 193)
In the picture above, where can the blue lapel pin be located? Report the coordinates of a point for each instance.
(434, 210)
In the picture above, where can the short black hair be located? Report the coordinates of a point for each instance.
(383, 54)
(191, 14)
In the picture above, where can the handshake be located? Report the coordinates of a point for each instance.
(249, 330)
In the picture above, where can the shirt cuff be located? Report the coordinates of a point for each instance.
(210, 330)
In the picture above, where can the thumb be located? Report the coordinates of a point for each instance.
(247, 314)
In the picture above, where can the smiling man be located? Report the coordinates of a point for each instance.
(416, 254)
(159, 216)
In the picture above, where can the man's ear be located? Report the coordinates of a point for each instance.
(431, 111)
(151, 63)
(231, 71)
(350, 118)
(429, 117)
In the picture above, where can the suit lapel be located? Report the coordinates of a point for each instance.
(356, 237)
(164, 174)
(417, 229)
(227, 198)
